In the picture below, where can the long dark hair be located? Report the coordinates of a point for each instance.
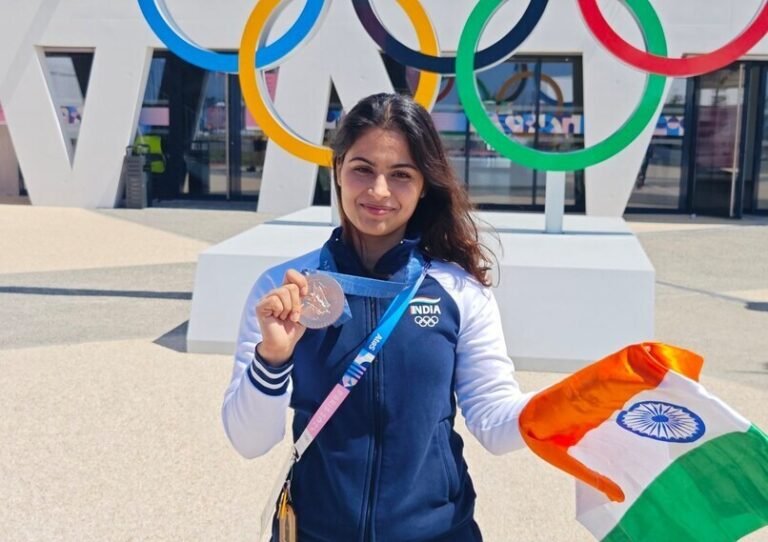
(442, 216)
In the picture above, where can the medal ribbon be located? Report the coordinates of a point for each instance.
(364, 287)
(367, 287)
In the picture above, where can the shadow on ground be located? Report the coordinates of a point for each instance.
(175, 339)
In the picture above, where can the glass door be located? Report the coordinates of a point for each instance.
(536, 101)
(716, 164)
(248, 143)
(756, 192)
(202, 142)
(206, 155)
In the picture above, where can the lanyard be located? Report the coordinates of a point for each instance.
(414, 274)
(359, 365)
(366, 287)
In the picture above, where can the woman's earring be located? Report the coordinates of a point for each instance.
(422, 195)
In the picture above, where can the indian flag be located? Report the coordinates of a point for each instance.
(658, 457)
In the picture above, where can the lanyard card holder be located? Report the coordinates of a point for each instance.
(287, 530)
(279, 505)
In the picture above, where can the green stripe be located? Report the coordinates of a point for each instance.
(716, 492)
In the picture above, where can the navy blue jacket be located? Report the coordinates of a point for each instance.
(389, 465)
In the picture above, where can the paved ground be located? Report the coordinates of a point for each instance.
(110, 431)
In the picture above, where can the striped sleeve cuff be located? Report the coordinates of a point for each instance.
(268, 379)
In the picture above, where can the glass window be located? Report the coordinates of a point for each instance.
(202, 141)
(537, 101)
(253, 142)
(561, 124)
(68, 75)
(659, 183)
(452, 124)
(509, 93)
(716, 160)
(206, 156)
(761, 190)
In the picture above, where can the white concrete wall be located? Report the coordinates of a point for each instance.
(340, 50)
(565, 300)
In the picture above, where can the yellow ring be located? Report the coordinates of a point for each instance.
(429, 82)
(263, 112)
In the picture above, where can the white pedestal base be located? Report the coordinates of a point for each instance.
(566, 299)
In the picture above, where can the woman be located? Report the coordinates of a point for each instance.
(388, 465)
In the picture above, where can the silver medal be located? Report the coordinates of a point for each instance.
(324, 303)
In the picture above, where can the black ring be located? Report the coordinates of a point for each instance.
(447, 65)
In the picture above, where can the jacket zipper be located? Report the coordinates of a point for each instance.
(368, 531)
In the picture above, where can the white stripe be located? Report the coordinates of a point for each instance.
(634, 461)
(303, 443)
(266, 384)
(264, 370)
(364, 358)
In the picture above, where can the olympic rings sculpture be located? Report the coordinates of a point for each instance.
(255, 56)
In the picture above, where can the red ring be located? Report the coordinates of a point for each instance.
(677, 67)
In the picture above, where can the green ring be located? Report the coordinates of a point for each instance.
(653, 94)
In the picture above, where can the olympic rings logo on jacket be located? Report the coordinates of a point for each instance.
(468, 60)
(426, 321)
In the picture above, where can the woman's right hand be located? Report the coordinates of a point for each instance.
(278, 314)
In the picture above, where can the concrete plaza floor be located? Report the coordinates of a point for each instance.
(110, 431)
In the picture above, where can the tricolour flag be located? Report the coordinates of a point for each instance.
(659, 458)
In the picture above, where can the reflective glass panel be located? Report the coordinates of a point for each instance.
(659, 183)
(68, 75)
(761, 198)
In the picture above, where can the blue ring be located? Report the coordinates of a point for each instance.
(162, 25)
(447, 65)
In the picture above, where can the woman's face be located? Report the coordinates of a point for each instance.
(380, 185)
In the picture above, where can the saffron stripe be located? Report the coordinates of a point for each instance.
(718, 491)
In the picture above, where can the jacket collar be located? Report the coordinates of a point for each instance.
(347, 260)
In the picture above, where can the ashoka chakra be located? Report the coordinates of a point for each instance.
(662, 421)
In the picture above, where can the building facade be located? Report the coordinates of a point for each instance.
(80, 82)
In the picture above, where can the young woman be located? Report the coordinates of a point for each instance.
(388, 465)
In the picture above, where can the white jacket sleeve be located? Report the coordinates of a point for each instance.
(487, 392)
(257, 398)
